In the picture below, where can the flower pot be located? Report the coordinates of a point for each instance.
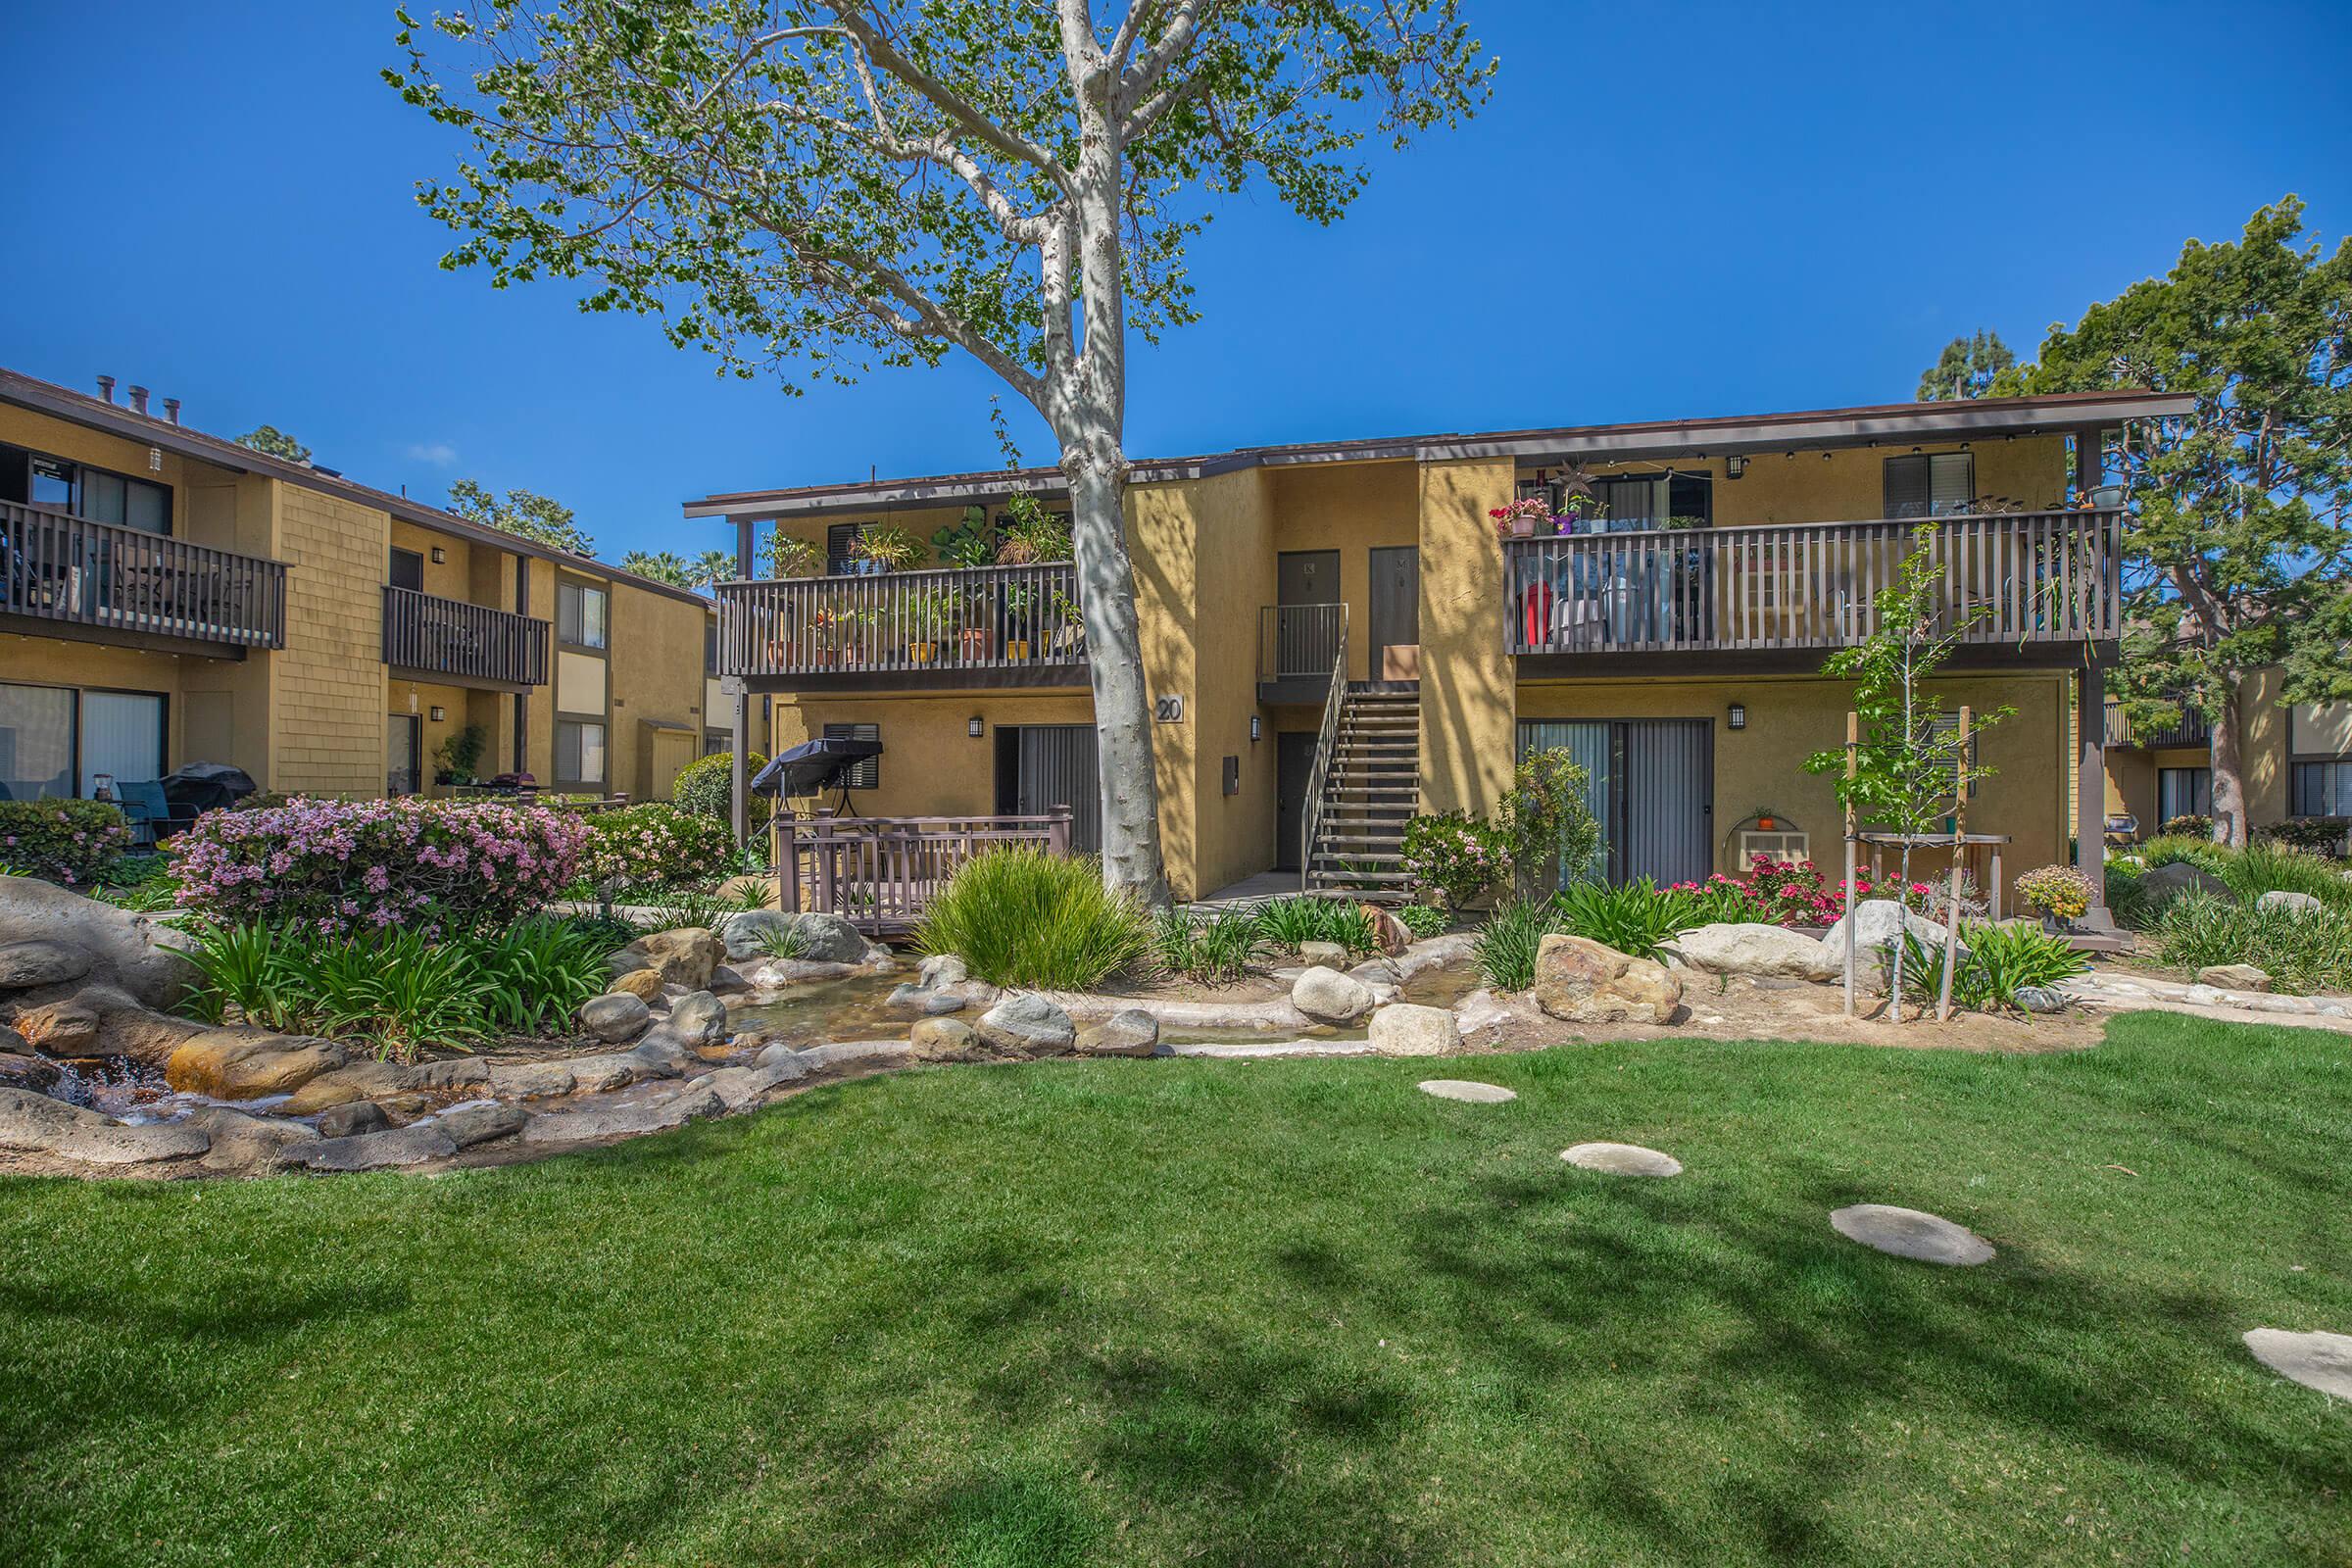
(1016, 648)
(1523, 527)
(975, 643)
(920, 653)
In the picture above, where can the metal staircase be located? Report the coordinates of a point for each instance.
(1367, 783)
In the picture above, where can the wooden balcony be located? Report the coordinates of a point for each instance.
(2015, 583)
(65, 576)
(2190, 729)
(447, 640)
(985, 626)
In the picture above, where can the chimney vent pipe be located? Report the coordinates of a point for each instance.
(171, 410)
(106, 387)
(139, 399)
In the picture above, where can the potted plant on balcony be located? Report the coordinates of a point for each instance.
(1518, 520)
(789, 557)
(1070, 631)
(887, 549)
(931, 614)
(1020, 601)
(968, 543)
(1032, 534)
(1579, 508)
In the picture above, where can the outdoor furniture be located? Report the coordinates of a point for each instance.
(1991, 843)
(150, 812)
(2123, 829)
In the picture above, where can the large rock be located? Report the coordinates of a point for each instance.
(26, 965)
(127, 951)
(2291, 902)
(1329, 996)
(1582, 981)
(1129, 1032)
(937, 1040)
(2179, 877)
(248, 1063)
(1879, 924)
(684, 957)
(923, 1002)
(401, 1145)
(247, 1145)
(1388, 934)
(941, 970)
(698, 1018)
(846, 1055)
(821, 938)
(1760, 950)
(468, 1125)
(352, 1118)
(20, 1070)
(616, 1016)
(530, 1080)
(741, 1087)
(37, 1123)
(66, 1027)
(643, 984)
(2234, 977)
(624, 1121)
(1407, 1029)
(361, 1080)
(1029, 1025)
(1323, 954)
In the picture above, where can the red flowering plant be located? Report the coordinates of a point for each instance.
(338, 866)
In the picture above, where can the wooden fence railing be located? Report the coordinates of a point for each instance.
(436, 636)
(2017, 577)
(880, 873)
(982, 618)
(59, 568)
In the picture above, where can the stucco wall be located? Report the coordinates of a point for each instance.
(1850, 484)
(1353, 509)
(656, 676)
(930, 765)
(1467, 710)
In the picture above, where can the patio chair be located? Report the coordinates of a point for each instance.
(151, 815)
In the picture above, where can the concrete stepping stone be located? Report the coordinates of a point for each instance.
(1623, 1159)
(1911, 1233)
(2322, 1361)
(1467, 1089)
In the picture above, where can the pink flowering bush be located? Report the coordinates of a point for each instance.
(657, 845)
(71, 842)
(1453, 857)
(340, 867)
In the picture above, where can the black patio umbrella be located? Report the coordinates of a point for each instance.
(815, 767)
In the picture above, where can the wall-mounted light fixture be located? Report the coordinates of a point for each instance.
(974, 727)
(1739, 716)
(1734, 466)
(439, 554)
(1256, 728)
(439, 713)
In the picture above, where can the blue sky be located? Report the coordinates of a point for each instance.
(1665, 212)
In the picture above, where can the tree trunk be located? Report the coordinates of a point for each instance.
(2228, 767)
(1115, 658)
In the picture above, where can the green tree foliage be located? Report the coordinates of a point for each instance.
(832, 186)
(2236, 551)
(666, 567)
(275, 443)
(523, 513)
(1978, 366)
(713, 566)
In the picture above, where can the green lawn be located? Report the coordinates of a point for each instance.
(1280, 1313)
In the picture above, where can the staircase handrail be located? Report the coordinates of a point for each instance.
(1327, 740)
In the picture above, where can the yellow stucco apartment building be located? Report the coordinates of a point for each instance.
(1335, 635)
(166, 597)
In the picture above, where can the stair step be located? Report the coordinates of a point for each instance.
(1350, 862)
(1376, 878)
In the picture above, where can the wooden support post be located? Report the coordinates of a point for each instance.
(731, 635)
(1952, 912)
(1057, 832)
(785, 852)
(1853, 761)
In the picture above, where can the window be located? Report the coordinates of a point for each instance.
(579, 752)
(404, 750)
(407, 570)
(36, 742)
(710, 646)
(2183, 792)
(98, 495)
(121, 737)
(2322, 789)
(580, 613)
(715, 741)
(867, 775)
(1934, 485)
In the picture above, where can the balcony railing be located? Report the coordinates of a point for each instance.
(58, 567)
(429, 635)
(2017, 577)
(2191, 731)
(985, 618)
(1297, 642)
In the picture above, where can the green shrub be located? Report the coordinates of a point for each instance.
(654, 845)
(71, 842)
(536, 973)
(1635, 918)
(1212, 951)
(1504, 948)
(252, 970)
(1023, 918)
(1423, 920)
(2265, 867)
(706, 788)
(143, 882)
(2321, 835)
(2001, 960)
(2300, 949)
(1288, 922)
(2131, 905)
(2169, 848)
(1547, 824)
(1453, 857)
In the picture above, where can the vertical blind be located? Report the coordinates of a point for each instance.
(121, 737)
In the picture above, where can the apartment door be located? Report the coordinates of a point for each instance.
(404, 747)
(1053, 765)
(1396, 612)
(1650, 783)
(1293, 772)
(1306, 626)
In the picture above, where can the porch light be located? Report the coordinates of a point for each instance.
(1734, 466)
(1739, 716)
(439, 713)
(1254, 729)
(440, 556)
(974, 727)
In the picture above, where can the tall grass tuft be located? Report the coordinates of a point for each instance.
(2002, 959)
(1022, 917)
(2267, 867)
(2300, 949)
(1504, 948)
(1635, 918)
(1213, 951)
(1289, 923)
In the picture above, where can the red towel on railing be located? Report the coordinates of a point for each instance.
(1537, 607)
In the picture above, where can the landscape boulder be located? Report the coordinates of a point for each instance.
(941, 1040)
(21, 1070)
(246, 1146)
(623, 1120)
(924, 1000)
(2291, 902)
(684, 955)
(1581, 981)
(941, 970)
(1389, 935)
(129, 952)
(66, 1027)
(248, 1063)
(359, 1080)
(40, 962)
(2040, 998)
(468, 1125)
(616, 1016)
(1329, 996)
(378, 1150)
(1129, 1032)
(2181, 877)
(1879, 924)
(643, 984)
(1029, 1025)
(2234, 977)
(1747, 948)
(1322, 955)
(36, 1123)
(820, 938)
(1407, 1029)
(530, 1080)
(351, 1118)
(697, 1019)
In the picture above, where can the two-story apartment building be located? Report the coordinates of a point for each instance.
(168, 597)
(2296, 759)
(1335, 635)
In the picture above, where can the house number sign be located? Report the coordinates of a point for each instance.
(1168, 709)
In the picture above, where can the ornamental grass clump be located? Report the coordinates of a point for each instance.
(2301, 950)
(337, 866)
(1289, 923)
(1022, 917)
(1504, 949)
(1211, 950)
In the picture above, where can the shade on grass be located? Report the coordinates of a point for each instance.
(1276, 1312)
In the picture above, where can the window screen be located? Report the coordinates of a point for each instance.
(121, 737)
(867, 775)
(1935, 484)
(36, 742)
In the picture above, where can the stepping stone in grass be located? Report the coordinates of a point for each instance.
(2322, 1361)
(1477, 1094)
(1910, 1233)
(1623, 1159)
